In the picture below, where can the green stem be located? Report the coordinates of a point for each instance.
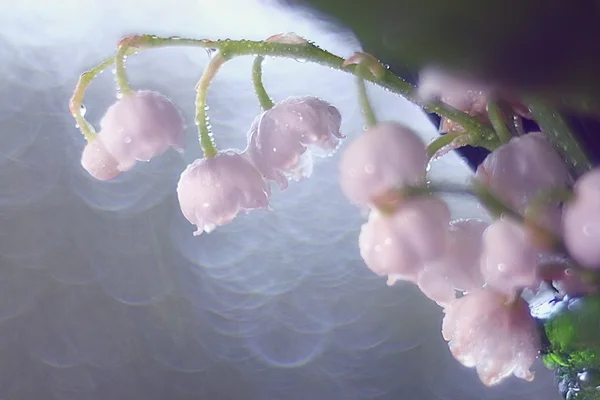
(263, 98)
(559, 134)
(233, 48)
(365, 104)
(206, 140)
(495, 116)
(444, 140)
(76, 102)
(121, 76)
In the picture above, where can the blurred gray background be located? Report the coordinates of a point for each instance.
(105, 293)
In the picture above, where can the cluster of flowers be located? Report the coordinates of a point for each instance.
(474, 269)
(282, 142)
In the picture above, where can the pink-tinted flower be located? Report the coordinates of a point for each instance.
(213, 191)
(459, 266)
(509, 258)
(581, 221)
(385, 157)
(496, 336)
(140, 126)
(457, 91)
(517, 171)
(283, 139)
(398, 245)
(98, 162)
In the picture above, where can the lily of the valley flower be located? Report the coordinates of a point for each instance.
(398, 245)
(138, 127)
(385, 157)
(213, 191)
(283, 139)
(497, 336)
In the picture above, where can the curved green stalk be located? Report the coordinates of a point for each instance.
(206, 140)
(365, 104)
(263, 97)
(495, 116)
(312, 53)
(121, 76)
(76, 102)
(559, 134)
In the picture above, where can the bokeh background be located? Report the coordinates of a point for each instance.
(105, 293)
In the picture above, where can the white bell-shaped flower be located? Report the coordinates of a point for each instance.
(283, 139)
(385, 157)
(140, 126)
(498, 337)
(213, 191)
(517, 171)
(581, 221)
(398, 245)
(509, 259)
(458, 267)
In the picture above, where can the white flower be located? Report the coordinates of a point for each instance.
(385, 157)
(140, 126)
(497, 337)
(581, 222)
(213, 191)
(283, 139)
(98, 162)
(517, 171)
(454, 90)
(509, 258)
(397, 245)
(458, 267)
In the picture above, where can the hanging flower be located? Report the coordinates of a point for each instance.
(385, 157)
(398, 245)
(213, 191)
(582, 221)
(283, 139)
(517, 171)
(458, 268)
(509, 258)
(496, 336)
(138, 127)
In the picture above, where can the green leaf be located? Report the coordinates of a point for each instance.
(546, 47)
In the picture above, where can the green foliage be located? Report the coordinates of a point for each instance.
(545, 47)
(574, 351)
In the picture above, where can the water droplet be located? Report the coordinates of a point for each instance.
(127, 139)
(206, 108)
(502, 267)
(83, 110)
(114, 71)
(208, 228)
(301, 60)
(119, 95)
(274, 149)
(369, 168)
(206, 205)
(77, 126)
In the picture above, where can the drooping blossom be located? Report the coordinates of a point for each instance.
(519, 170)
(385, 157)
(138, 127)
(213, 191)
(581, 221)
(458, 268)
(495, 335)
(397, 245)
(283, 140)
(509, 258)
